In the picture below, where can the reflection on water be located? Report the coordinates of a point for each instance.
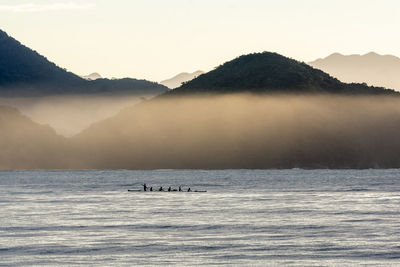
(257, 218)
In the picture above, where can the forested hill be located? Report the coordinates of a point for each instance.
(19, 64)
(26, 72)
(271, 72)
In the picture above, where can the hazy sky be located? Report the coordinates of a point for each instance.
(156, 39)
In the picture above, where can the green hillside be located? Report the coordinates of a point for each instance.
(271, 72)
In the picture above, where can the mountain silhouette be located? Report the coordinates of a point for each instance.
(177, 80)
(371, 68)
(271, 72)
(19, 64)
(24, 72)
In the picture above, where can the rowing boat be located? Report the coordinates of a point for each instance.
(195, 191)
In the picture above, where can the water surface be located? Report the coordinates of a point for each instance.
(247, 217)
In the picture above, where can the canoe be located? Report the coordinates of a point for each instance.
(194, 191)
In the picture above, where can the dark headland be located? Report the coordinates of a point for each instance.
(24, 72)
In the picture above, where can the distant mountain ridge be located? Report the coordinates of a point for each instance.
(177, 80)
(24, 72)
(92, 76)
(371, 68)
(268, 73)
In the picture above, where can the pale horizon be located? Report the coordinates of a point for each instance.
(155, 40)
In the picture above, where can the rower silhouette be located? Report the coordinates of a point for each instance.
(169, 189)
(151, 189)
(180, 189)
(145, 187)
(189, 190)
(161, 189)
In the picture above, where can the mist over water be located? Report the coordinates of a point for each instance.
(248, 131)
(70, 114)
(213, 132)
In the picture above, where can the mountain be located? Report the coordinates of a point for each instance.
(24, 72)
(177, 80)
(29, 145)
(190, 130)
(19, 65)
(271, 72)
(371, 68)
(92, 76)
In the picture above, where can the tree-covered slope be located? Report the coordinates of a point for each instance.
(24, 72)
(271, 72)
(19, 64)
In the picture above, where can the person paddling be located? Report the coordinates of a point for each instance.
(169, 189)
(161, 189)
(189, 190)
(180, 189)
(144, 187)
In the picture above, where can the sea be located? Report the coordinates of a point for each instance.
(246, 218)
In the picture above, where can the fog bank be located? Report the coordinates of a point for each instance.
(217, 132)
(248, 131)
(70, 114)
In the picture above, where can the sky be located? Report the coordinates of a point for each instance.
(157, 39)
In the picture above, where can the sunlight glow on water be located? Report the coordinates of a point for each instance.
(247, 217)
